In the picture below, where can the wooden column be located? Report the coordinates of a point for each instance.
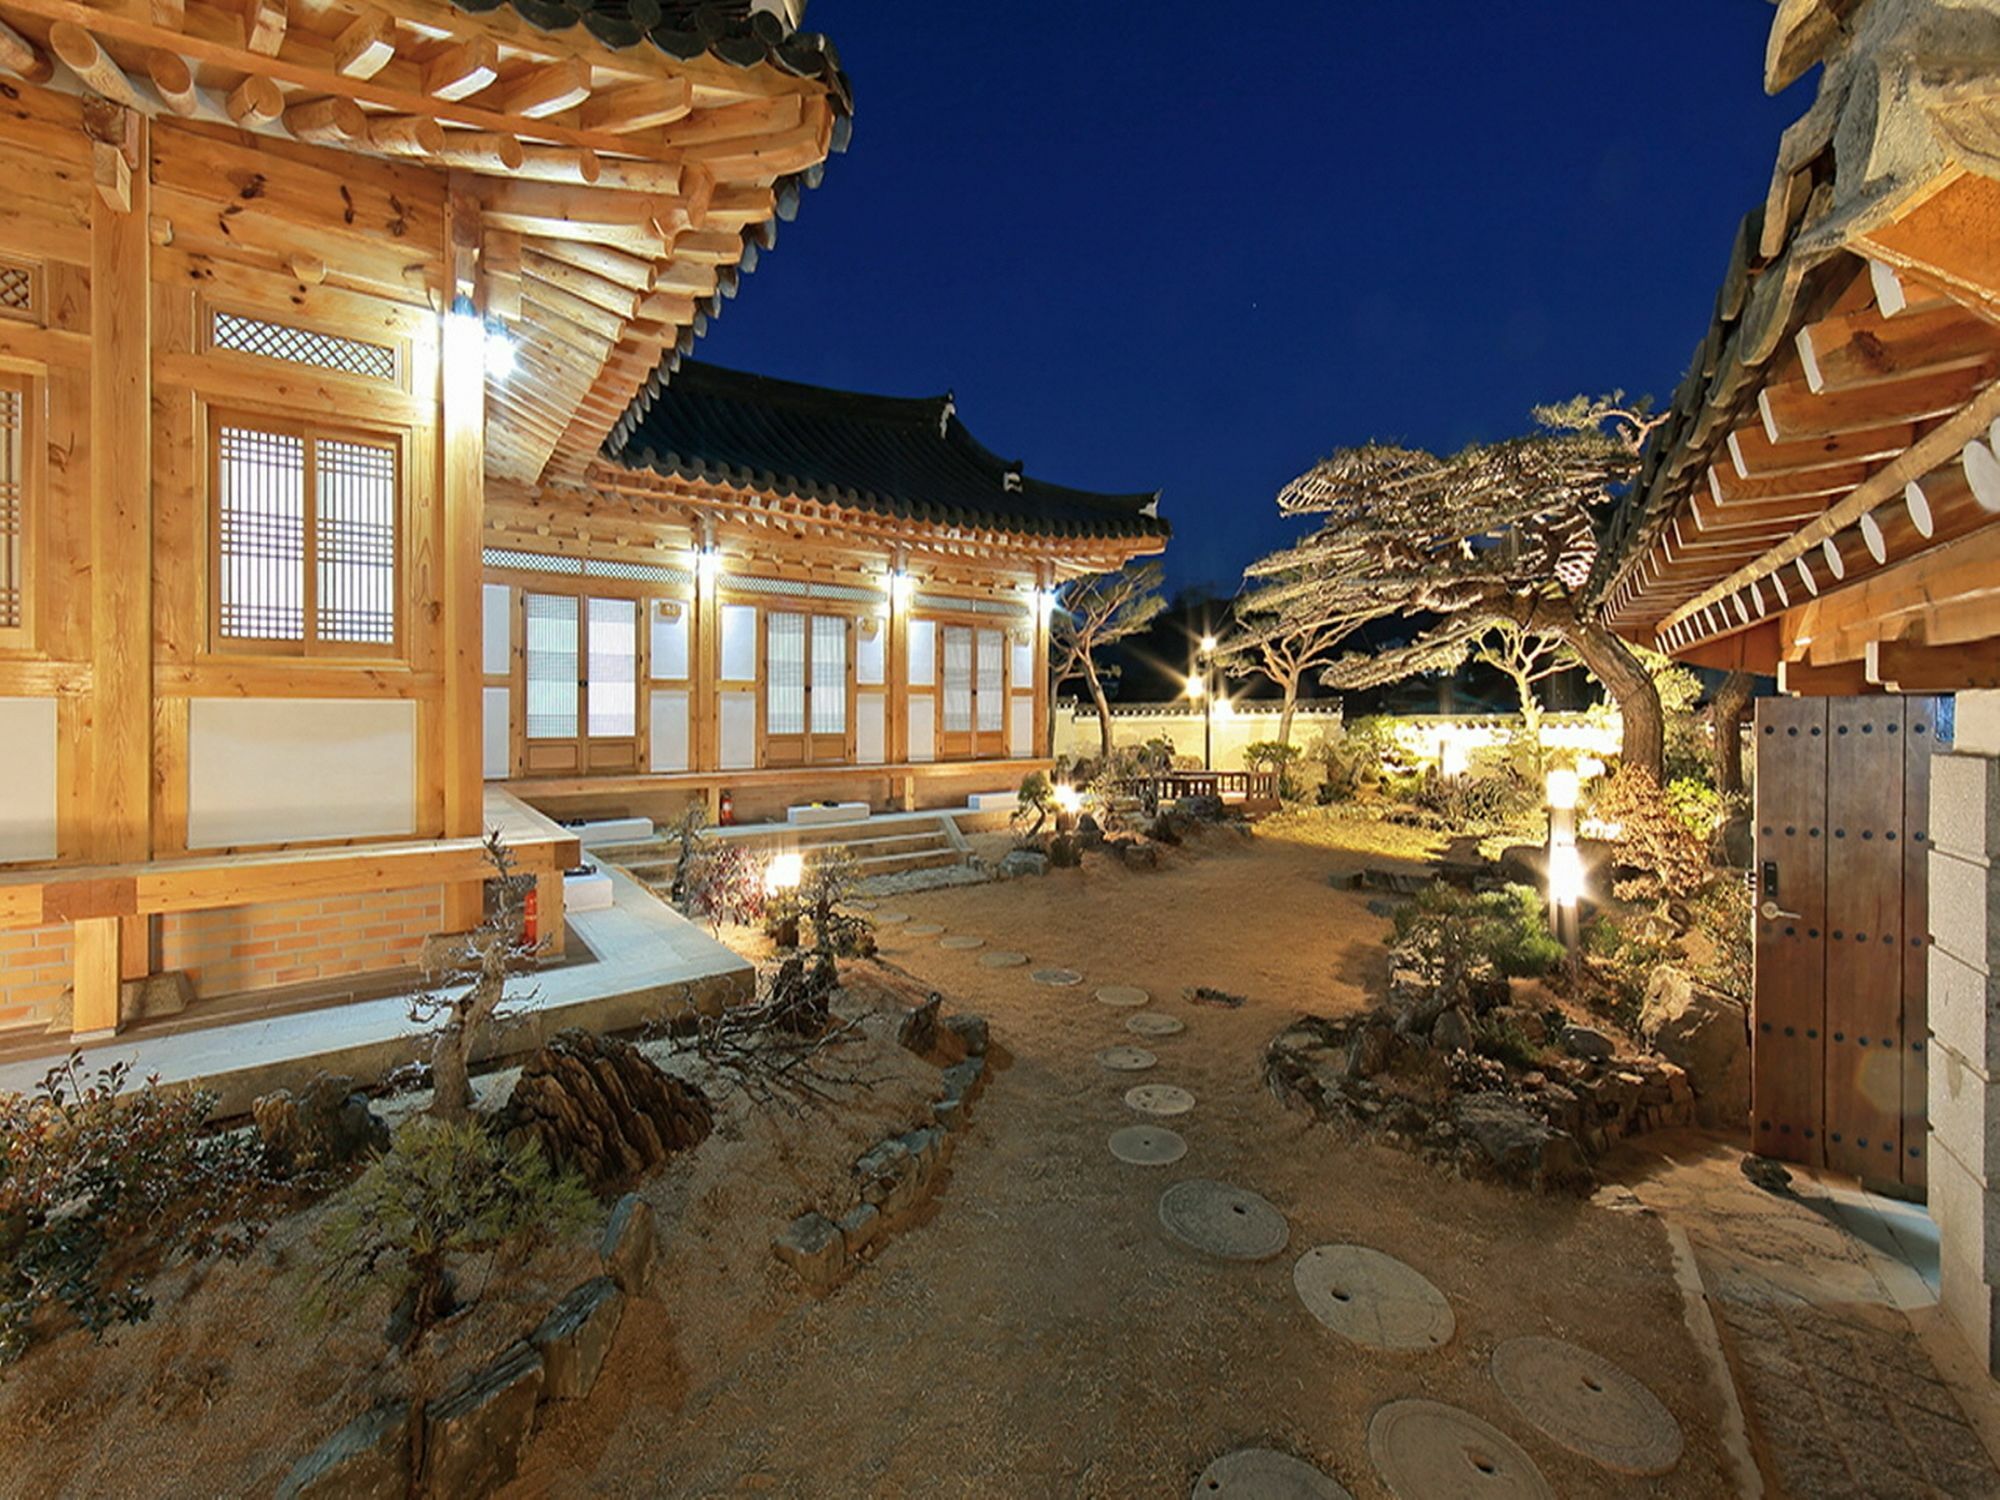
(705, 667)
(463, 375)
(121, 525)
(896, 668)
(1045, 709)
(94, 986)
(550, 927)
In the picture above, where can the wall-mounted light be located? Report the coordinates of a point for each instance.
(708, 563)
(901, 586)
(1045, 604)
(469, 334)
(500, 346)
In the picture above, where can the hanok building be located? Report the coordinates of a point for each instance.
(325, 327)
(1823, 506)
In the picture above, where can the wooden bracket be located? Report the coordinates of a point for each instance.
(114, 150)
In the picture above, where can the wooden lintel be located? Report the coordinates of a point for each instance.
(1753, 650)
(1846, 679)
(1911, 667)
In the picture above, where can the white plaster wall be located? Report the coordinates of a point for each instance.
(283, 770)
(739, 731)
(739, 643)
(1022, 668)
(1021, 735)
(496, 704)
(923, 653)
(670, 729)
(871, 738)
(870, 642)
(923, 727)
(27, 779)
(496, 633)
(670, 639)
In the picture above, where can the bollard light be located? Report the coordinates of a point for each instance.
(1562, 789)
(1068, 798)
(1565, 875)
(784, 873)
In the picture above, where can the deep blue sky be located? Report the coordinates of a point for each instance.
(1193, 247)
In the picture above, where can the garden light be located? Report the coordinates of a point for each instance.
(1453, 756)
(1207, 643)
(1563, 786)
(1565, 875)
(1068, 798)
(784, 873)
(1196, 687)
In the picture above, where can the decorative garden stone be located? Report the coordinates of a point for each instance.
(575, 1338)
(475, 1433)
(368, 1459)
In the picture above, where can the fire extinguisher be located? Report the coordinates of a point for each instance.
(531, 918)
(728, 813)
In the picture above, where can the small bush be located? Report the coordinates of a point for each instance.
(1465, 943)
(1034, 805)
(1668, 859)
(1356, 758)
(1270, 755)
(97, 1192)
(443, 1190)
(726, 884)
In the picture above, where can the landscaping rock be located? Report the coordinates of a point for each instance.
(812, 1246)
(368, 1459)
(475, 1433)
(630, 1245)
(575, 1338)
(881, 1170)
(1371, 1049)
(859, 1227)
(1019, 862)
(598, 1105)
(965, 1080)
(1588, 1042)
(949, 1114)
(1514, 1144)
(327, 1124)
(971, 1031)
(1707, 1033)
(1396, 882)
(918, 1030)
(1139, 856)
(1452, 1032)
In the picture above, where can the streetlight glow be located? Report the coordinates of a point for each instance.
(784, 873)
(1208, 643)
(1196, 687)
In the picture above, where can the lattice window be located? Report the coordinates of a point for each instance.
(307, 528)
(20, 291)
(957, 679)
(13, 502)
(992, 680)
(552, 664)
(304, 346)
(611, 702)
(785, 674)
(829, 675)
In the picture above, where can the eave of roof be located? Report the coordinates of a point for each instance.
(907, 457)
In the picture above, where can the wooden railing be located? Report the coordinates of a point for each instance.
(1256, 788)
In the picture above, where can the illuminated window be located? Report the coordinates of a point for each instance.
(307, 538)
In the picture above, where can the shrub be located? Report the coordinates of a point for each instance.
(1668, 859)
(1491, 795)
(1357, 757)
(726, 884)
(829, 878)
(443, 1190)
(1270, 755)
(1034, 805)
(1464, 943)
(97, 1192)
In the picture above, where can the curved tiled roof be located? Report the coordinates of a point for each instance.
(909, 457)
(729, 30)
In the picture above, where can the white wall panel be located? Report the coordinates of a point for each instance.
(923, 653)
(496, 629)
(496, 740)
(739, 643)
(739, 731)
(27, 778)
(670, 639)
(923, 727)
(870, 642)
(1021, 671)
(1021, 736)
(276, 770)
(871, 721)
(670, 729)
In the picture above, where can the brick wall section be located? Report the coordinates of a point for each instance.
(34, 972)
(297, 942)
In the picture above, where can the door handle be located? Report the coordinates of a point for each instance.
(1770, 911)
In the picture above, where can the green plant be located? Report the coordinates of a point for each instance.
(1356, 757)
(98, 1191)
(1035, 801)
(445, 1189)
(1280, 759)
(1465, 943)
(1506, 1043)
(726, 884)
(1491, 795)
(1667, 859)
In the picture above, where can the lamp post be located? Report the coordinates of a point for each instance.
(1201, 685)
(1565, 861)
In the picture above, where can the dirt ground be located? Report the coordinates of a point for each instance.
(1040, 1336)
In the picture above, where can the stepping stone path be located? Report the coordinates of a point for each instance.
(1061, 978)
(1129, 996)
(1159, 1099)
(924, 929)
(1000, 958)
(1425, 1450)
(1230, 1223)
(1126, 1059)
(1152, 1023)
(1588, 1404)
(961, 942)
(890, 918)
(1372, 1298)
(1264, 1474)
(1147, 1146)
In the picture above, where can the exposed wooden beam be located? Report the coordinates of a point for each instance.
(1792, 412)
(366, 45)
(481, 150)
(1847, 679)
(264, 26)
(546, 90)
(330, 121)
(173, 81)
(406, 135)
(462, 70)
(637, 106)
(1911, 667)
(80, 53)
(1864, 348)
(1755, 456)
(22, 57)
(255, 101)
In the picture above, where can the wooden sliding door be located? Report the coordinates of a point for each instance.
(972, 723)
(808, 684)
(580, 684)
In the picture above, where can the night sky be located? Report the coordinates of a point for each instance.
(1194, 247)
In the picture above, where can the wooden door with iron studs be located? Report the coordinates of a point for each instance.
(1842, 927)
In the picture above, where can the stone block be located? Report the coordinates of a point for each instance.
(1964, 1110)
(859, 1227)
(154, 996)
(575, 1338)
(630, 1246)
(812, 1246)
(368, 1459)
(475, 1433)
(880, 1170)
(950, 1114)
(965, 1080)
(971, 1030)
(1965, 805)
(1965, 910)
(1964, 1010)
(1972, 1305)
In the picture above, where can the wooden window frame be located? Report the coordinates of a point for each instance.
(28, 384)
(310, 431)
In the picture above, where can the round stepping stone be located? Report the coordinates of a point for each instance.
(1126, 1059)
(961, 942)
(1061, 978)
(1147, 1146)
(890, 918)
(1129, 996)
(1000, 958)
(1159, 1099)
(1588, 1404)
(1372, 1298)
(1425, 1450)
(924, 929)
(1264, 1474)
(1153, 1023)
(1230, 1223)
